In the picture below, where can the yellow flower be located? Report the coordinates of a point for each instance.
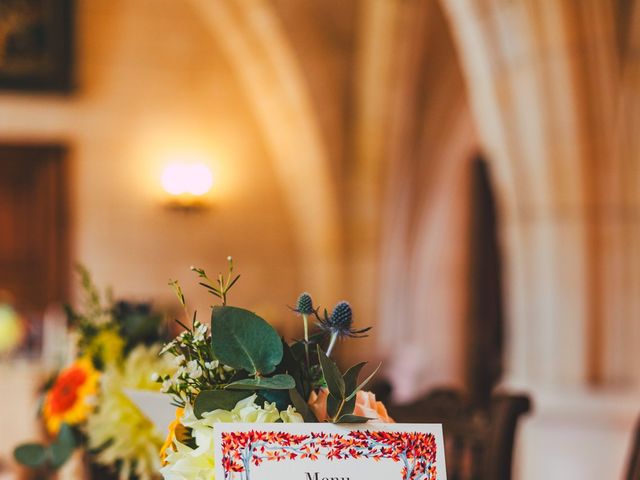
(107, 346)
(123, 435)
(11, 330)
(70, 399)
(175, 429)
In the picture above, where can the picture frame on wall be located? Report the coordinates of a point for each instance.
(36, 45)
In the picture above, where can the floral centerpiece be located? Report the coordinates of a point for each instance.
(85, 406)
(241, 370)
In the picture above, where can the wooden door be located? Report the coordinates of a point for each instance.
(34, 262)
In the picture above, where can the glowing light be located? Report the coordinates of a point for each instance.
(179, 179)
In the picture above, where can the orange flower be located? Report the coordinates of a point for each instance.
(175, 428)
(366, 406)
(68, 401)
(318, 404)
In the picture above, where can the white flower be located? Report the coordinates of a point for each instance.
(167, 347)
(291, 416)
(193, 370)
(199, 333)
(185, 463)
(166, 385)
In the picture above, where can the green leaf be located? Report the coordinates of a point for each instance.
(280, 381)
(298, 346)
(332, 375)
(279, 397)
(210, 400)
(297, 350)
(363, 384)
(63, 447)
(32, 455)
(302, 407)
(243, 340)
(333, 407)
(289, 364)
(351, 377)
(352, 419)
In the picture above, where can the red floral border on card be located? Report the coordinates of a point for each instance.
(415, 450)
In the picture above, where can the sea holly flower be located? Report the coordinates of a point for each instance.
(70, 400)
(340, 324)
(304, 305)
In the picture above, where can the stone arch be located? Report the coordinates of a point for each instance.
(257, 49)
(431, 141)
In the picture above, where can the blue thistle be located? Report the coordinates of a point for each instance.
(340, 324)
(304, 305)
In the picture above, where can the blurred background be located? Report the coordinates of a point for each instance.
(464, 172)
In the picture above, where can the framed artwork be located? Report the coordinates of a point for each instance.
(36, 45)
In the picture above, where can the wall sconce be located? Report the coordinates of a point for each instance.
(187, 185)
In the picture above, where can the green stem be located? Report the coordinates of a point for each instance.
(306, 337)
(332, 343)
(338, 413)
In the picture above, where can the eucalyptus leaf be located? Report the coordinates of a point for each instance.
(332, 375)
(302, 407)
(32, 455)
(210, 400)
(62, 448)
(352, 419)
(243, 340)
(281, 381)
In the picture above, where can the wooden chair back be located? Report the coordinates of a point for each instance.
(633, 470)
(479, 442)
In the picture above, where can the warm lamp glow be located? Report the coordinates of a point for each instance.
(187, 183)
(180, 178)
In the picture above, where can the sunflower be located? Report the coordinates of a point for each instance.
(70, 398)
